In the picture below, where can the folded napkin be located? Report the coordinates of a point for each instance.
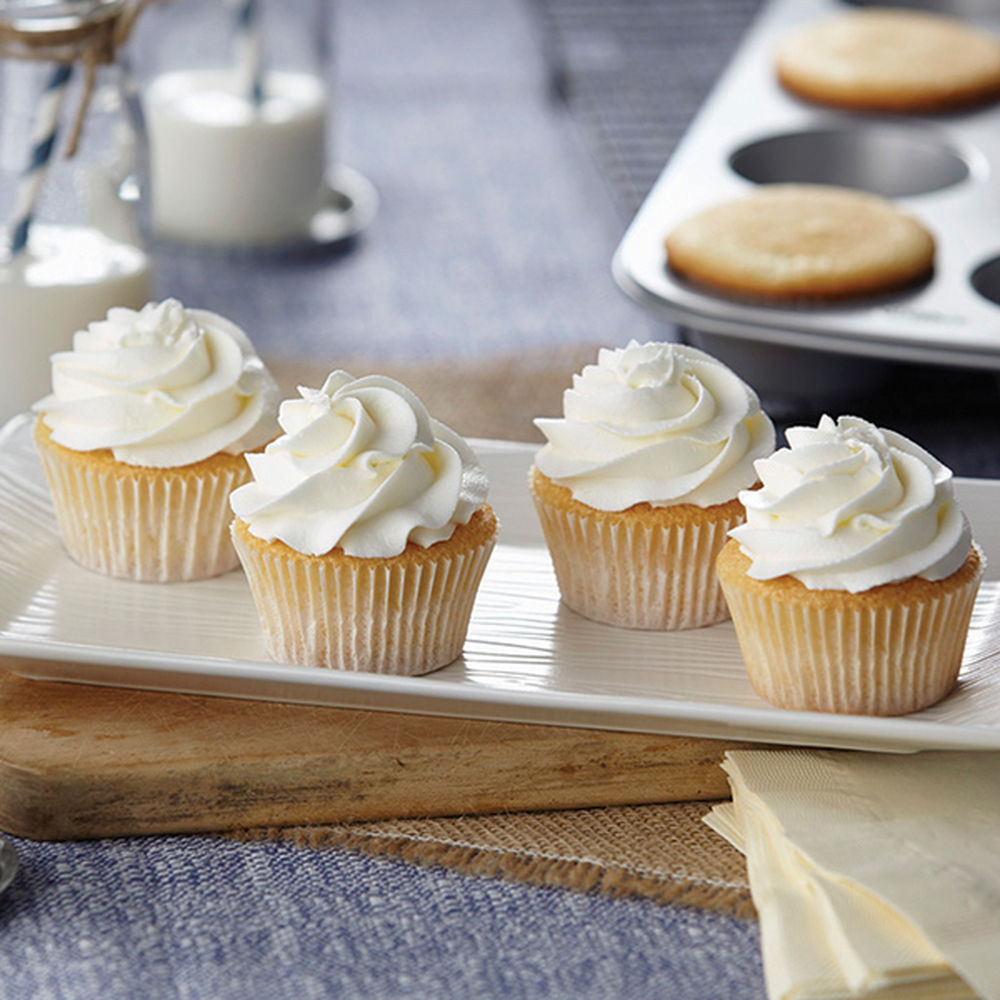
(874, 875)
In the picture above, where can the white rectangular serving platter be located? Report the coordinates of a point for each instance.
(527, 658)
(945, 321)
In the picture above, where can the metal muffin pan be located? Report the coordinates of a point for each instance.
(943, 169)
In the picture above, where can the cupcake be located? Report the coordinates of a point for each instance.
(852, 582)
(143, 436)
(890, 60)
(364, 532)
(788, 243)
(636, 486)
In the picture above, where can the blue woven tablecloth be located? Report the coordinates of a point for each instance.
(197, 917)
(495, 231)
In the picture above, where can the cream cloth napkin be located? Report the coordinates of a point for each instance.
(873, 874)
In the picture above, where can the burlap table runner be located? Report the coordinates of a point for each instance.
(495, 397)
(663, 853)
(660, 852)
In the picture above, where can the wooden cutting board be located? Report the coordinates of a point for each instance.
(79, 761)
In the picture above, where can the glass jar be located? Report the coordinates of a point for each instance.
(70, 248)
(236, 98)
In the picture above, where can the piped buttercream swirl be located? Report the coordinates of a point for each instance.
(363, 467)
(658, 423)
(162, 386)
(850, 506)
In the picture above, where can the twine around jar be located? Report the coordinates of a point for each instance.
(94, 42)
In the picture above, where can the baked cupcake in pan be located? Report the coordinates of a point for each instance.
(802, 242)
(885, 59)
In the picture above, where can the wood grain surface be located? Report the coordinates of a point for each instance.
(79, 761)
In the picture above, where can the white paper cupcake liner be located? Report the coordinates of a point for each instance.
(635, 573)
(867, 658)
(379, 616)
(168, 528)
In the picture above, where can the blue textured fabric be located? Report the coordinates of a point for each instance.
(495, 230)
(200, 917)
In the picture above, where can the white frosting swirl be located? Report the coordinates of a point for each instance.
(162, 386)
(850, 506)
(362, 466)
(657, 423)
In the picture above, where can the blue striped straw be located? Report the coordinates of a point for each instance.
(43, 141)
(248, 57)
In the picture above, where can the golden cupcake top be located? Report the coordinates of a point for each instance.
(886, 59)
(802, 241)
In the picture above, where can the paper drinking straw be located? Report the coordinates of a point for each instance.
(248, 58)
(42, 142)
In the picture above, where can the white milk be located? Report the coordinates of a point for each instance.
(67, 277)
(227, 172)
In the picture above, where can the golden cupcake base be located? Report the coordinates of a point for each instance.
(890, 650)
(645, 567)
(408, 614)
(138, 523)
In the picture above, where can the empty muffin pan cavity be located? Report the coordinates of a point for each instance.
(986, 280)
(884, 160)
(943, 169)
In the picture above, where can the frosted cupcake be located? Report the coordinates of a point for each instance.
(637, 484)
(851, 585)
(365, 531)
(143, 436)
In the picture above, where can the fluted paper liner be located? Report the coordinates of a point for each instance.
(156, 525)
(649, 568)
(403, 615)
(887, 651)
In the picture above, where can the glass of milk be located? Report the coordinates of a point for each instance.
(236, 98)
(82, 254)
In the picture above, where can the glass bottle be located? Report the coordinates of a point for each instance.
(236, 97)
(70, 248)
